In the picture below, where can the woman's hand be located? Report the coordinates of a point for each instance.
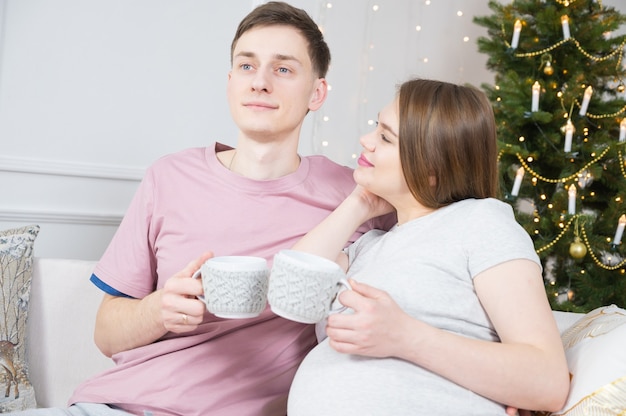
(375, 205)
(376, 327)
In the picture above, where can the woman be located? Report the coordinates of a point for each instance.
(448, 309)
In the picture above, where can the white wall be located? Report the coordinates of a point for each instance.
(93, 91)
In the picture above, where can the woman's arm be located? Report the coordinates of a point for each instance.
(527, 369)
(329, 237)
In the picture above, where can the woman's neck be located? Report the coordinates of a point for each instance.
(412, 211)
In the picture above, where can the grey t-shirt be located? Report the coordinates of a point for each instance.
(427, 266)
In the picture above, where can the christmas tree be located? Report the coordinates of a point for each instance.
(560, 106)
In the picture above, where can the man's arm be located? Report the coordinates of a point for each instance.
(125, 323)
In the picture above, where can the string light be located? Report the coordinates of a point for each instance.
(324, 130)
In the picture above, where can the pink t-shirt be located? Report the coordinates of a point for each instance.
(189, 203)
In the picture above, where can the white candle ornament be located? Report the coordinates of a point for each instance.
(622, 130)
(569, 132)
(535, 100)
(565, 25)
(517, 28)
(518, 181)
(571, 200)
(586, 98)
(621, 223)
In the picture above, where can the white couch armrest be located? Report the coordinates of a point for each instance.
(60, 349)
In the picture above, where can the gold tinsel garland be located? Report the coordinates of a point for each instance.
(558, 237)
(534, 174)
(585, 240)
(621, 163)
(595, 258)
(619, 51)
(599, 116)
(566, 227)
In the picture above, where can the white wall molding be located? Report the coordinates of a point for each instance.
(63, 168)
(60, 217)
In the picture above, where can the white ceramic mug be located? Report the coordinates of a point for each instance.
(304, 286)
(235, 287)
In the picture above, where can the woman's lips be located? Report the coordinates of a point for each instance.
(362, 161)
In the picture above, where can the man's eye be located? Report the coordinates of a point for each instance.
(246, 67)
(283, 70)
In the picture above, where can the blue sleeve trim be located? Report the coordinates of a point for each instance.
(106, 288)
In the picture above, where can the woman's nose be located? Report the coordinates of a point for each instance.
(367, 141)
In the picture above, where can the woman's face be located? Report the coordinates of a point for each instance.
(379, 169)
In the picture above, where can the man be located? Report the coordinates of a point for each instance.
(172, 356)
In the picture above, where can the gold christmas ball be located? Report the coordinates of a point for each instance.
(577, 249)
(620, 87)
(548, 69)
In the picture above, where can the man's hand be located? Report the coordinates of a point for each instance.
(181, 310)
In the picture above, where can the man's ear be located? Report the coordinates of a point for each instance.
(319, 94)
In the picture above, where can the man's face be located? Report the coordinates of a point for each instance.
(271, 85)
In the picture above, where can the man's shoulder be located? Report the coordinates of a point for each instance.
(182, 156)
(179, 159)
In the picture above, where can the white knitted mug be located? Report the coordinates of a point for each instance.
(303, 287)
(235, 287)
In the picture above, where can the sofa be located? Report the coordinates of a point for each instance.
(61, 352)
(60, 349)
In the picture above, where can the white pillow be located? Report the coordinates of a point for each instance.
(595, 347)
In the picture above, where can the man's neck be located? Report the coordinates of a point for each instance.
(261, 161)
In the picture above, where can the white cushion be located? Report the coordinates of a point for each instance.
(596, 357)
(565, 320)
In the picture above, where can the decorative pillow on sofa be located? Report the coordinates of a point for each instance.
(16, 261)
(596, 357)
